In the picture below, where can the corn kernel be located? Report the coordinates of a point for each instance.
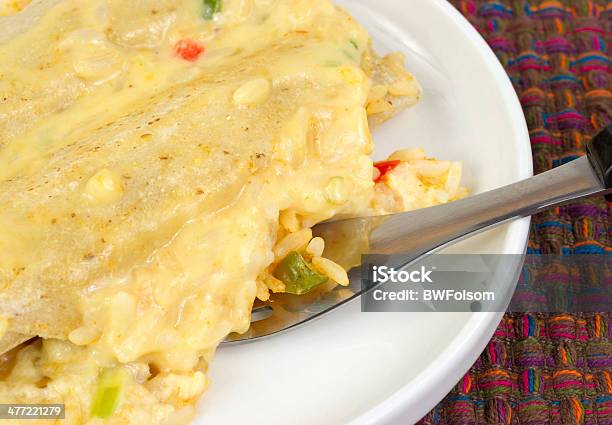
(104, 187)
(253, 92)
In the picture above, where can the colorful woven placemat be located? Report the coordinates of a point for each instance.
(548, 368)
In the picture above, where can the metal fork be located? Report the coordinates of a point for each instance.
(423, 232)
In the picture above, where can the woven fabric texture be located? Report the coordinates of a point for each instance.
(548, 368)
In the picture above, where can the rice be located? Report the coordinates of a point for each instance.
(289, 220)
(263, 292)
(316, 247)
(332, 270)
(292, 242)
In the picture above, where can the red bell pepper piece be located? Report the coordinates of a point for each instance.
(188, 49)
(384, 167)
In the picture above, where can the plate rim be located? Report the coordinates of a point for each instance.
(411, 402)
(438, 379)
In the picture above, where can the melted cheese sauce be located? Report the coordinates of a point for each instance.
(153, 287)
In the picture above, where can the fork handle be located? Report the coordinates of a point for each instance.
(599, 152)
(423, 231)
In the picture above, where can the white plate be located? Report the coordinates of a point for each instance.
(392, 368)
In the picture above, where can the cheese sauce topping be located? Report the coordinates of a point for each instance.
(148, 149)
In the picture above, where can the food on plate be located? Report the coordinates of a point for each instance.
(162, 163)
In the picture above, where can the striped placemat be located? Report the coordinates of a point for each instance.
(548, 368)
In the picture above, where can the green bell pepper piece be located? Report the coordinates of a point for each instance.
(297, 275)
(210, 8)
(108, 391)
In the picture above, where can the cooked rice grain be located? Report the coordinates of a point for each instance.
(316, 247)
(292, 242)
(332, 270)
